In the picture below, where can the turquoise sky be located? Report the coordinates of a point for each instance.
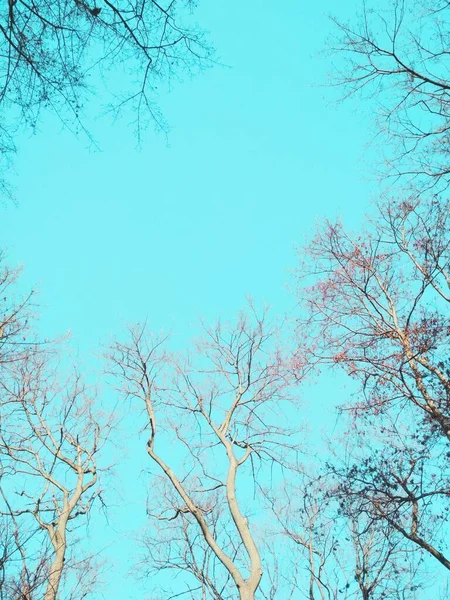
(190, 225)
(188, 228)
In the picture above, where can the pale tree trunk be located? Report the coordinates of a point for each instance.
(247, 588)
(246, 594)
(56, 569)
(58, 538)
(247, 591)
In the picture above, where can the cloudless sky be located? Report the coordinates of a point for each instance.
(190, 225)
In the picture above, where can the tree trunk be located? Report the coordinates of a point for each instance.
(56, 570)
(246, 594)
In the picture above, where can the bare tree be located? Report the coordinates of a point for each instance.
(53, 56)
(378, 309)
(222, 410)
(402, 482)
(51, 434)
(16, 338)
(397, 53)
(302, 520)
(21, 576)
(346, 554)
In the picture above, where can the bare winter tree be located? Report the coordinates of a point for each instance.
(16, 339)
(378, 309)
(400, 478)
(396, 52)
(346, 554)
(54, 55)
(20, 576)
(215, 420)
(50, 437)
(303, 521)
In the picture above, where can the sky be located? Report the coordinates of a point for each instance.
(189, 225)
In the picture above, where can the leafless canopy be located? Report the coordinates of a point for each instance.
(343, 552)
(401, 479)
(397, 53)
(16, 339)
(222, 410)
(50, 437)
(378, 309)
(53, 54)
